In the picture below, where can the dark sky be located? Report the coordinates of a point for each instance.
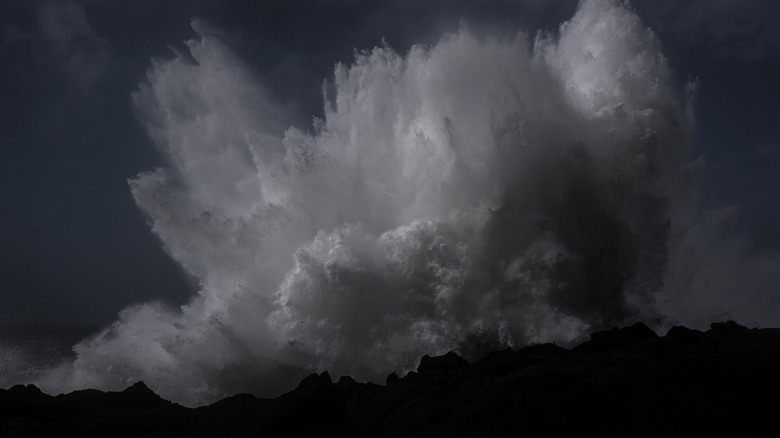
(75, 248)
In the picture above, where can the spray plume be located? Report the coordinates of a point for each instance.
(476, 194)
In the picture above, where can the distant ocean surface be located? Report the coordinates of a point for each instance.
(27, 350)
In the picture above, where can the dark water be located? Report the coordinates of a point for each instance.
(26, 350)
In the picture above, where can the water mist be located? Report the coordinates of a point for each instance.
(476, 194)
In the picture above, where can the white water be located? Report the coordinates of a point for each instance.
(467, 196)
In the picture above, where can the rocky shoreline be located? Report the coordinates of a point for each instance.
(625, 381)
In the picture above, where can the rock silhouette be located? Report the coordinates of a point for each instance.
(624, 381)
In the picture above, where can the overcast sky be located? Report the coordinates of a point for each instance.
(74, 247)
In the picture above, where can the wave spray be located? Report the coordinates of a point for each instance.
(475, 194)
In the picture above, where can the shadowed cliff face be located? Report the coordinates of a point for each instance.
(622, 381)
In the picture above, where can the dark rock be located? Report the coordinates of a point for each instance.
(347, 384)
(679, 337)
(504, 362)
(138, 387)
(315, 380)
(727, 327)
(29, 390)
(622, 381)
(682, 332)
(621, 337)
(449, 361)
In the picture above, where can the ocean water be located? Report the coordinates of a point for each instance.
(28, 350)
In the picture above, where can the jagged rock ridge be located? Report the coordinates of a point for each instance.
(626, 381)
